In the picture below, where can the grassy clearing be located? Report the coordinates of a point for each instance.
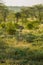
(22, 53)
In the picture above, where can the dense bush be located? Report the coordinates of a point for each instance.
(30, 26)
(30, 37)
(3, 24)
(3, 47)
(36, 24)
(10, 28)
(2, 44)
(33, 25)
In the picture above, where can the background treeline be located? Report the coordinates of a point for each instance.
(23, 13)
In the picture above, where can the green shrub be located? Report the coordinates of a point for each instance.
(10, 28)
(30, 26)
(3, 24)
(36, 24)
(3, 47)
(33, 25)
(30, 37)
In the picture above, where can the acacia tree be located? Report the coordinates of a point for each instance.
(3, 11)
(17, 15)
(36, 11)
(39, 11)
(32, 12)
(11, 16)
(25, 14)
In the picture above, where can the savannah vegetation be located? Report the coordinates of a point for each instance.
(21, 35)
